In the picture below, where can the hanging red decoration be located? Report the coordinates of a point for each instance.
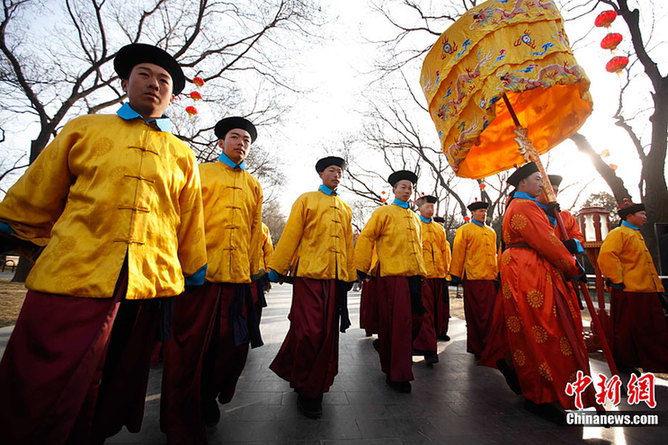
(482, 186)
(613, 167)
(198, 81)
(611, 41)
(617, 64)
(195, 95)
(383, 200)
(191, 110)
(467, 219)
(605, 153)
(605, 18)
(383, 192)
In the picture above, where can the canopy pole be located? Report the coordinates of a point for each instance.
(531, 155)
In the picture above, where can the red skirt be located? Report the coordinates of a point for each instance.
(309, 356)
(75, 369)
(201, 361)
(395, 333)
(479, 297)
(426, 338)
(369, 307)
(640, 330)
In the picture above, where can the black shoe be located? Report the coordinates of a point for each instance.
(211, 413)
(547, 411)
(311, 408)
(444, 337)
(376, 345)
(398, 386)
(510, 375)
(430, 358)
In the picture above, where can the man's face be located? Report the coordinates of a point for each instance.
(149, 89)
(638, 219)
(479, 215)
(533, 184)
(403, 190)
(236, 144)
(331, 176)
(427, 209)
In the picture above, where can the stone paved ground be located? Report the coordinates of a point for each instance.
(453, 402)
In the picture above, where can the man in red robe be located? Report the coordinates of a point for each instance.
(539, 313)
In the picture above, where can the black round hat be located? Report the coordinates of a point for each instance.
(629, 208)
(477, 205)
(426, 198)
(230, 123)
(523, 172)
(402, 174)
(325, 162)
(555, 179)
(135, 53)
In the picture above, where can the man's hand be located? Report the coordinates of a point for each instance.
(551, 207)
(581, 276)
(361, 275)
(618, 286)
(573, 246)
(274, 277)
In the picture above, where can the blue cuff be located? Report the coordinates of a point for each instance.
(579, 245)
(5, 228)
(197, 279)
(273, 276)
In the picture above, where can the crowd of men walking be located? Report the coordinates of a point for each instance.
(142, 245)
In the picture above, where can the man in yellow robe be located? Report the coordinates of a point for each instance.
(474, 264)
(640, 329)
(316, 250)
(116, 201)
(394, 231)
(214, 324)
(436, 252)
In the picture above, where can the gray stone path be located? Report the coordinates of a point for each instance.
(455, 401)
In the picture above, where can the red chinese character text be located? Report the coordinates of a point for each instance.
(641, 389)
(609, 389)
(577, 387)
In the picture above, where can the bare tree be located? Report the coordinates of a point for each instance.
(417, 22)
(55, 58)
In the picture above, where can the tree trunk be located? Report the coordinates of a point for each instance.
(615, 183)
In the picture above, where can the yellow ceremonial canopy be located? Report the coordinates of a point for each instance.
(517, 47)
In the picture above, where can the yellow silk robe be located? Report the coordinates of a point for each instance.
(624, 258)
(317, 241)
(474, 253)
(267, 248)
(233, 222)
(435, 250)
(395, 233)
(102, 188)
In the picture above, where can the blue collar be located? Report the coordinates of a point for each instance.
(127, 113)
(524, 195)
(477, 223)
(629, 225)
(425, 220)
(230, 163)
(326, 190)
(400, 203)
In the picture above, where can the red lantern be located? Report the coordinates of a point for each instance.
(613, 167)
(611, 41)
(482, 186)
(198, 81)
(383, 192)
(195, 95)
(467, 219)
(605, 18)
(191, 111)
(383, 200)
(616, 64)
